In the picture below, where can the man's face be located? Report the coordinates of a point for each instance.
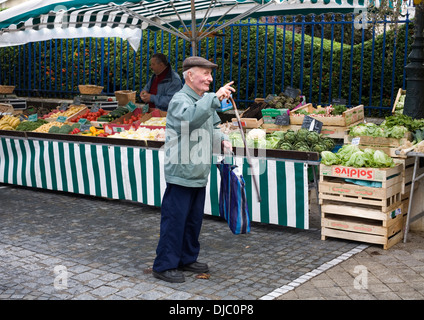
(156, 66)
(200, 79)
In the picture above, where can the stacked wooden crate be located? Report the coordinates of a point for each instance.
(362, 204)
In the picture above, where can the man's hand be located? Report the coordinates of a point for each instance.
(145, 96)
(227, 146)
(225, 91)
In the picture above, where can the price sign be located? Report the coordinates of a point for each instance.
(82, 120)
(63, 106)
(33, 117)
(355, 141)
(85, 127)
(291, 92)
(131, 106)
(77, 101)
(282, 120)
(61, 119)
(312, 124)
(95, 107)
(339, 101)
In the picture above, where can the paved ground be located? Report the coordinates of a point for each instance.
(63, 246)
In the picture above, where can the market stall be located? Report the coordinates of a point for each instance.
(364, 179)
(133, 170)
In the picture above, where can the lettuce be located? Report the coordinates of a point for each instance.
(358, 159)
(382, 160)
(346, 151)
(329, 158)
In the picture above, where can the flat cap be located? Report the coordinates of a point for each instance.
(198, 62)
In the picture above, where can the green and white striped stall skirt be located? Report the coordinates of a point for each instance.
(136, 174)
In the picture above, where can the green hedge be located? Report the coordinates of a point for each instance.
(244, 54)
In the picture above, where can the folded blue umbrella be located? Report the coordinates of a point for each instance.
(232, 199)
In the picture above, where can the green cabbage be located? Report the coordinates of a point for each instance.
(272, 142)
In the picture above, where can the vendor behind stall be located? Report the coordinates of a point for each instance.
(162, 85)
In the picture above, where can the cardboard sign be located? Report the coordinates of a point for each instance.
(291, 92)
(312, 124)
(33, 117)
(95, 107)
(63, 106)
(61, 119)
(282, 120)
(131, 106)
(339, 101)
(85, 127)
(77, 100)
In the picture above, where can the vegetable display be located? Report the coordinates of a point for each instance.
(383, 130)
(352, 156)
(301, 140)
(284, 102)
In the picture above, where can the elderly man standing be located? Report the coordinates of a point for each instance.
(163, 84)
(191, 137)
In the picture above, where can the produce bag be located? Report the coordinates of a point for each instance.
(232, 199)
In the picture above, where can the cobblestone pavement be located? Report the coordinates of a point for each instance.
(63, 246)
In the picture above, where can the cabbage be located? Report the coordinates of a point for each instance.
(359, 130)
(329, 158)
(272, 142)
(397, 132)
(382, 160)
(358, 159)
(256, 134)
(279, 134)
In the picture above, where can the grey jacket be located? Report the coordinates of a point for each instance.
(192, 136)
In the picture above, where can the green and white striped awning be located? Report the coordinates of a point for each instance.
(136, 174)
(58, 19)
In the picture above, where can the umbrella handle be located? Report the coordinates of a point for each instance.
(255, 182)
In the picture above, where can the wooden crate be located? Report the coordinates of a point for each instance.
(334, 187)
(387, 145)
(348, 117)
(362, 223)
(400, 93)
(334, 132)
(407, 172)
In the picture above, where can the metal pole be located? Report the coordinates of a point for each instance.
(414, 102)
(249, 162)
(193, 29)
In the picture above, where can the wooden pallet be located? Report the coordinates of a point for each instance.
(362, 223)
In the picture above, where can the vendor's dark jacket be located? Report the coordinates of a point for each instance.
(166, 89)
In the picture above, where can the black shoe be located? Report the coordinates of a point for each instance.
(196, 267)
(172, 275)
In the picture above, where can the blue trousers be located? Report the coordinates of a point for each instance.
(181, 220)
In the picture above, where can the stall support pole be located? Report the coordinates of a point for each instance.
(411, 195)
